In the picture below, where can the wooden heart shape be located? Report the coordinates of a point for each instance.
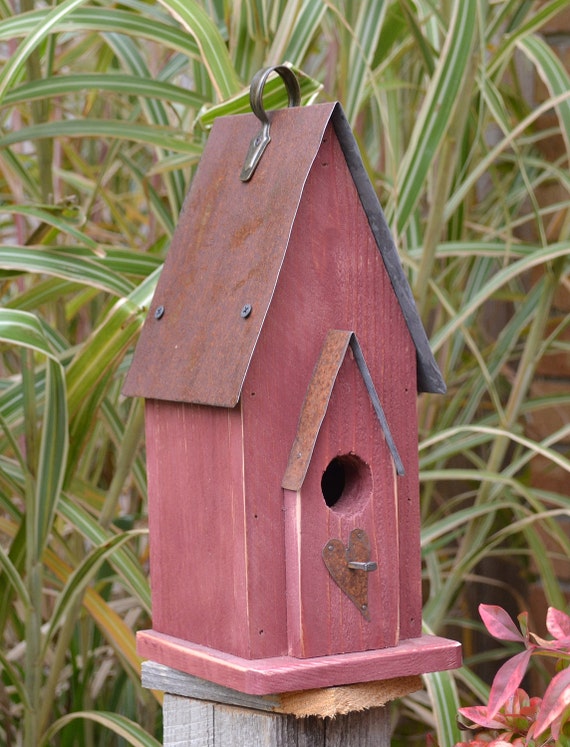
(353, 582)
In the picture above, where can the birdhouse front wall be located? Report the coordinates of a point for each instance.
(333, 277)
(351, 484)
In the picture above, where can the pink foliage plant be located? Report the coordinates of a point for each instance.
(511, 716)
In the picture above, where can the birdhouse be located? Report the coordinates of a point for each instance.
(280, 363)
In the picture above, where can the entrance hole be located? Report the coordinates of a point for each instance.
(346, 482)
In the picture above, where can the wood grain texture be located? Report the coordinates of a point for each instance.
(286, 673)
(187, 722)
(323, 702)
(196, 518)
(165, 679)
(196, 723)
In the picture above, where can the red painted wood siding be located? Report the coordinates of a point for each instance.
(322, 619)
(197, 527)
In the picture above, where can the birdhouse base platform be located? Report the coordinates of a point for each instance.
(281, 674)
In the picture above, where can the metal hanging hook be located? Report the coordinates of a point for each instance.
(260, 142)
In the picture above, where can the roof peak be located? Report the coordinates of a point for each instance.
(227, 252)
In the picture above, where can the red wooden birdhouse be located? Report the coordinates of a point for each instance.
(281, 362)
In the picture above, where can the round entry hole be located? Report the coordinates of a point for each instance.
(346, 482)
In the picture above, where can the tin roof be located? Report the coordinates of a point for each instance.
(226, 254)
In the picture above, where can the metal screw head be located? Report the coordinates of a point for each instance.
(246, 310)
(159, 312)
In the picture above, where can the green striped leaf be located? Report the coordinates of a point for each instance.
(213, 52)
(432, 121)
(371, 15)
(53, 453)
(553, 73)
(163, 137)
(155, 110)
(98, 20)
(66, 264)
(93, 369)
(134, 734)
(22, 328)
(13, 577)
(533, 20)
(60, 218)
(500, 279)
(34, 38)
(120, 83)
(297, 28)
(444, 700)
(123, 560)
(82, 575)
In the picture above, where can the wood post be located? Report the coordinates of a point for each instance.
(198, 713)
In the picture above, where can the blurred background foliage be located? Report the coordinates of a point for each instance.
(462, 113)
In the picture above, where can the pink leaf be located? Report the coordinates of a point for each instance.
(558, 623)
(499, 623)
(507, 680)
(556, 699)
(478, 715)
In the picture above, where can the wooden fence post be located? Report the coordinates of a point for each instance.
(198, 713)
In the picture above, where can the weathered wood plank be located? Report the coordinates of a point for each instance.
(368, 729)
(330, 701)
(187, 722)
(195, 723)
(159, 677)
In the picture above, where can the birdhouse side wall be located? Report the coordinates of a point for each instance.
(196, 524)
(332, 277)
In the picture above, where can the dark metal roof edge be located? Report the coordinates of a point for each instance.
(376, 404)
(429, 376)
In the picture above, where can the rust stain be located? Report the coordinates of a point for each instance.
(315, 406)
(354, 583)
(227, 251)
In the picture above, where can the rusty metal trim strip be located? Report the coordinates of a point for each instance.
(315, 406)
(316, 402)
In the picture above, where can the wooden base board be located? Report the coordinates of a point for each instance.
(281, 674)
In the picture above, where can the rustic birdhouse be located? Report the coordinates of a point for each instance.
(281, 362)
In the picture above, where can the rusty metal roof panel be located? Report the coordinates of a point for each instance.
(224, 261)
